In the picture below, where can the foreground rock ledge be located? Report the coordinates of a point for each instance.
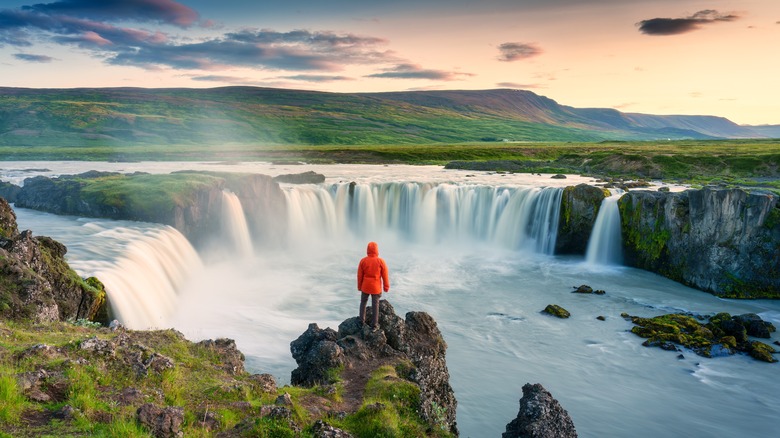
(540, 416)
(360, 350)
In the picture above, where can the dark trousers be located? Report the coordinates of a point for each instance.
(374, 307)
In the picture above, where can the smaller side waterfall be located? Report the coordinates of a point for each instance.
(605, 246)
(234, 224)
(142, 285)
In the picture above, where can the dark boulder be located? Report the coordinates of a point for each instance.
(416, 339)
(557, 311)
(540, 416)
(309, 177)
(162, 422)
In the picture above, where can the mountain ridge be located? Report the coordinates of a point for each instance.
(127, 115)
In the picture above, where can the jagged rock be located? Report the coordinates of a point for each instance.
(284, 400)
(232, 359)
(7, 220)
(540, 416)
(755, 326)
(264, 382)
(38, 283)
(315, 352)
(309, 177)
(322, 429)
(734, 233)
(580, 206)
(163, 422)
(556, 310)
(584, 289)
(99, 346)
(415, 338)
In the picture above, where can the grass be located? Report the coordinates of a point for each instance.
(94, 385)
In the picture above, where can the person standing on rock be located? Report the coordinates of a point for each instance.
(372, 279)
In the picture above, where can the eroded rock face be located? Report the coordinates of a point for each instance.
(540, 416)
(580, 206)
(37, 283)
(195, 207)
(416, 338)
(724, 241)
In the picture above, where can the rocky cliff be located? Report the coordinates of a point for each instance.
(580, 206)
(724, 241)
(191, 202)
(36, 282)
(413, 344)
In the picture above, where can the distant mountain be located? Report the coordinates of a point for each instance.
(770, 131)
(106, 116)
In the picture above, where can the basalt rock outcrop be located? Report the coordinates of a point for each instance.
(192, 202)
(540, 416)
(724, 241)
(722, 335)
(580, 206)
(355, 346)
(37, 283)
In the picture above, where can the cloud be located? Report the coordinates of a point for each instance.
(161, 11)
(674, 26)
(33, 58)
(297, 50)
(317, 78)
(413, 71)
(517, 51)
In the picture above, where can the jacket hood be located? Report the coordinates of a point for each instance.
(373, 249)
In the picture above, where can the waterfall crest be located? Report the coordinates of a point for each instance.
(512, 217)
(605, 246)
(142, 285)
(234, 224)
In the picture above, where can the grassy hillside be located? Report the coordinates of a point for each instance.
(64, 379)
(247, 115)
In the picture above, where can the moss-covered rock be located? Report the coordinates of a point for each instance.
(762, 351)
(557, 311)
(722, 334)
(580, 205)
(37, 283)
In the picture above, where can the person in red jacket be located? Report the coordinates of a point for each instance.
(372, 279)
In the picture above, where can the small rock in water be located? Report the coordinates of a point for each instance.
(558, 176)
(601, 318)
(680, 357)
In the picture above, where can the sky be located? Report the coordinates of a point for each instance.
(716, 57)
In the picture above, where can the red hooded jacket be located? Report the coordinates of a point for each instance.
(372, 275)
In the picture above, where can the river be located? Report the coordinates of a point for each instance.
(484, 287)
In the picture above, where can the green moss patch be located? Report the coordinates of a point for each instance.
(722, 334)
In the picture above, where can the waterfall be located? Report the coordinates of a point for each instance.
(605, 246)
(513, 217)
(142, 285)
(234, 224)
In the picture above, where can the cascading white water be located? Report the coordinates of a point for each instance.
(512, 217)
(234, 224)
(142, 285)
(605, 246)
